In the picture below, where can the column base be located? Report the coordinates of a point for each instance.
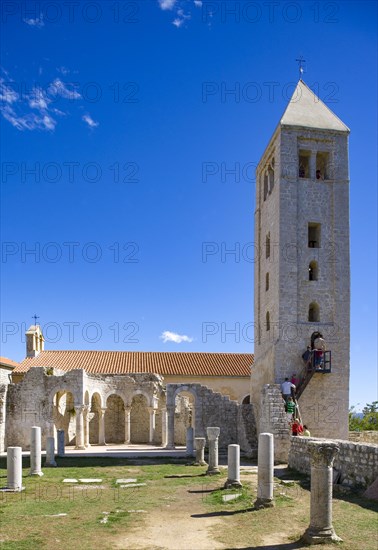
(79, 448)
(263, 503)
(230, 484)
(212, 472)
(170, 447)
(39, 474)
(51, 465)
(200, 463)
(320, 536)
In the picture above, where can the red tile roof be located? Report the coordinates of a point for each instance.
(124, 362)
(8, 362)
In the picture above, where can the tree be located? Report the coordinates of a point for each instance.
(368, 421)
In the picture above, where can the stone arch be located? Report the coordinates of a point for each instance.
(115, 419)
(139, 418)
(145, 394)
(63, 414)
(246, 399)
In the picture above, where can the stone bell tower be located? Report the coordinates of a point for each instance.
(35, 343)
(302, 276)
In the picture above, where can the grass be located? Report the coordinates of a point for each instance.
(104, 513)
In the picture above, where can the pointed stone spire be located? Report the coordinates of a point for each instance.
(305, 109)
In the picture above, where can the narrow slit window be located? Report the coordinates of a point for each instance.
(267, 321)
(267, 246)
(313, 313)
(314, 235)
(267, 281)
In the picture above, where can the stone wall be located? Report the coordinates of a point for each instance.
(364, 437)
(273, 419)
(357, 463)
(214, 409)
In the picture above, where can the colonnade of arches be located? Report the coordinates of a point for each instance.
(99, 421)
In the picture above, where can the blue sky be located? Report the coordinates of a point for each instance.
(118, 128)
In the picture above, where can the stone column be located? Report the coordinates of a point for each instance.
(265, 463)
(35, 452)
(14, 468)
(152, 413)
(127, 425)
(171, 427)
(87, 418)
(50, 453)
(321, 530)
(200, 443)
(212, 436)
(233, 467)
(79, 427)
(61, 442)
(101, 426)
(312, 165)
(189, 441)
(164, 427)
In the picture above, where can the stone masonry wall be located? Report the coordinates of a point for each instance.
(357, 463)
(273, 419)
(364, 437)
(214, 409)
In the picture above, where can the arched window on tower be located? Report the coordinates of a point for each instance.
(313, 271)
(266, 186)
(267, 321)
(313, 313)
(271, 176)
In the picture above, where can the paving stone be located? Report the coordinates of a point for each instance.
(90, 480)
(127, 480)
(227, 498)
(69, 480)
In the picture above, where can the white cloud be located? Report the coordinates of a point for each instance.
(59, 88)
(37, 22)
(177, 22)
(168, 336)
(198, 3)
(30, 121)
(7, 94)
(89, 120)
(34, 110)
(38, 99)
(167, 4)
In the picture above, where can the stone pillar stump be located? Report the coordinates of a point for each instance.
(50, 453)
(61, 443)
(189, 441)
(35, 452)
(320, 530)
(200, 443)
(265, 470)
(14, 469)
(233, 467)
(212, 436)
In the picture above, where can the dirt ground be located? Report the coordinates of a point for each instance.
(172, 527)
